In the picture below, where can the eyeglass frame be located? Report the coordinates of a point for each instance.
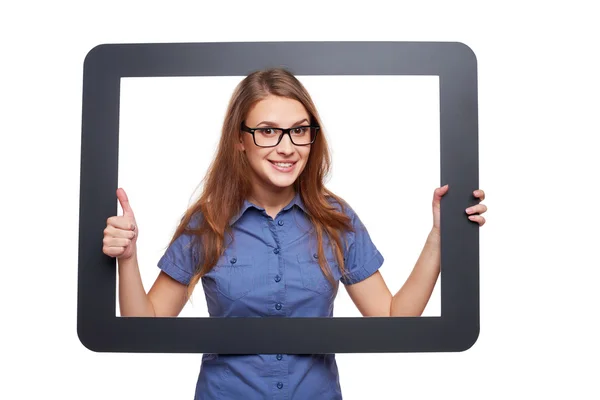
(287, 131)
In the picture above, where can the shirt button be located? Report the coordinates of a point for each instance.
(277, 278)
(315, 256)
(280, 223)
(279, 357)
(278, 306)
(279, 385)
(233, 260)
(276, 251)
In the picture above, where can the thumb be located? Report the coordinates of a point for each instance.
(440, 192)
(124, 201)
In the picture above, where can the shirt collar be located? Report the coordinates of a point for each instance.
(296, 201)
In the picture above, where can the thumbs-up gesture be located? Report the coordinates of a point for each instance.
(121, 232)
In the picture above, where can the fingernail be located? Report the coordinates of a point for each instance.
(468, 210)
(472, 217)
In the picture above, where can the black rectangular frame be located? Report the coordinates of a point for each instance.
(457, 329)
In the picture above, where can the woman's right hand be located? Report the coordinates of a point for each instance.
(120, 234)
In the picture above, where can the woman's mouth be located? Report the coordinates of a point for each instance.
(283, 166)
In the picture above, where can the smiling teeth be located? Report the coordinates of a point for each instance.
(283, 165)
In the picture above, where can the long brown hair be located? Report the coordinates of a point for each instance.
(227, 183)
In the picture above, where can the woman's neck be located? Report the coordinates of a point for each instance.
(272, 200)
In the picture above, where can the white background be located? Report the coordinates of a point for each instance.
(538, 139)
(385, 137)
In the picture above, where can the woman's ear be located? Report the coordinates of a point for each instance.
(240, 145)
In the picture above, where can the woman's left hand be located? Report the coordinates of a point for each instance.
(474, 213)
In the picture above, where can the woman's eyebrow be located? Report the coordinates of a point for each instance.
(273, 124)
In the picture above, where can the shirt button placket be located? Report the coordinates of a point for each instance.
(278, 306)
(279, 288)
(281, 380)
(279, 365)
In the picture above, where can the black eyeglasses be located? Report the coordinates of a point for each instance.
(271, 137)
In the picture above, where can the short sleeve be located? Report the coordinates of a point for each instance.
(362, 257)
(180, 259)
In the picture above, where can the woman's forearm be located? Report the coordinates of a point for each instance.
(133, 300)
(412, 298)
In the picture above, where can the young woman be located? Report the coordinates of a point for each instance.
(266, 238)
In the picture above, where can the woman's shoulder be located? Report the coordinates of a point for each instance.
(340, 204)
(188, 225)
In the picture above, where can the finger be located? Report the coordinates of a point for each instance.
(440, 192)
(477, 209)
(124, 201)
(116, 242)
(113, 251)
(121, 223)
(480, 194)
(477, 218)
(119, 233)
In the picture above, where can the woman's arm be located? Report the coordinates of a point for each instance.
(133, 301)
(372, 296)
(412, 298)
(167, 296)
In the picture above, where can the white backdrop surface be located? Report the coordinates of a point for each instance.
(384, 136)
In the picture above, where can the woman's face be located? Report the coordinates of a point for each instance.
(276, 167)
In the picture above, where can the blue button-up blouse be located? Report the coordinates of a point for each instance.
(270, 269)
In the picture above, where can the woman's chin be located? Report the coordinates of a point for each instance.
(281, 182)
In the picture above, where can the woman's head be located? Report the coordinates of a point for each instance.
(271, 98)
(277, 160)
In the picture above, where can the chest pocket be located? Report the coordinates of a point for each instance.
(312, 277)
(234, 276)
